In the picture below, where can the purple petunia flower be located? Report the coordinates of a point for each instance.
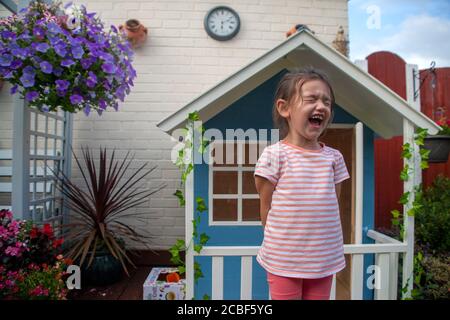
(67, 63)
(27, 80)
(86, 63)
(38, 32)
(20, 53)
(102, 104)
(62, 85)
(16, 64)
(31, 96)
(29, 70)
(77, 52)
(60, 49)
(91, 81)
(46, 67)
(87, 110)
(42, 47)
(8, 35)
(76, 98)
(57, 71)
(45, 108)
(5, 60)
(109, 67)
(14, 89)
(53, 28)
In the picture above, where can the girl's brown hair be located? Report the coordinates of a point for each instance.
(290, 88)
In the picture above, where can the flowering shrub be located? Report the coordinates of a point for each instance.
(445, 125)
(36, 282)
(31, 264)
(63, 57)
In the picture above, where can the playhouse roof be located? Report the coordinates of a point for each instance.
(357, 91)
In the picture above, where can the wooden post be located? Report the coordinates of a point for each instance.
(189, 215)
(415, 179)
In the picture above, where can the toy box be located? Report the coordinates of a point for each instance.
(156, 286)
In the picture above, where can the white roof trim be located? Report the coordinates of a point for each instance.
(274, 61)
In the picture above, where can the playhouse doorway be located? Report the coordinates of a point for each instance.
(343, 139)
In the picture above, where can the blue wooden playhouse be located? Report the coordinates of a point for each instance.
(243, 102)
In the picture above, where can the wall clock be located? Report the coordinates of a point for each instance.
(222, 23)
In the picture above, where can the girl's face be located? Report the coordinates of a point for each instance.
(308, 115)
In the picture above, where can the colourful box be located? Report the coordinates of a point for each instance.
(157, 288)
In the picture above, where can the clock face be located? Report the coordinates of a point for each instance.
(222, 23)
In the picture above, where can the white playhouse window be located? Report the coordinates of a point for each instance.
(233, 199)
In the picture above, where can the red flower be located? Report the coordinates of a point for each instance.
(47, 230)
(34, 232)
(57, 243)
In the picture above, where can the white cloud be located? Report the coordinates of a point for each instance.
(419, 40)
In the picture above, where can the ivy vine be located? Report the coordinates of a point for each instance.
(405, 175)
(185, 164)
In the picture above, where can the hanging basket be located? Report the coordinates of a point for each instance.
(439, 146)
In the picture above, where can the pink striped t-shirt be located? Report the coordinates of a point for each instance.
(303, 233)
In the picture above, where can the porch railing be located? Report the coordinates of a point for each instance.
(385, 249)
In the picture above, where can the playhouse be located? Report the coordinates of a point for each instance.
(365, 108)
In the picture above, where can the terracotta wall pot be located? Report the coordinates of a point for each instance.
(135, 31)
(439, 146)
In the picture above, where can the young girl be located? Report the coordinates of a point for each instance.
(298, 180)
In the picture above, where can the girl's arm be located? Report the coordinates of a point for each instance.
(265, 189)
(338, 189)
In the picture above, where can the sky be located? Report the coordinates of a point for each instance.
(416, 30)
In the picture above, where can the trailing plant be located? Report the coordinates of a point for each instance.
(405, 175)
(62, 57)
(184, 162)
(397, 217)
(100, 214)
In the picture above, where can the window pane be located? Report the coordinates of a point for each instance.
(248, 183)
(225, 182)
(225, 209)
(225, 155)
(250, 210)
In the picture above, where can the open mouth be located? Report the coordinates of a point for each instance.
(316, 120)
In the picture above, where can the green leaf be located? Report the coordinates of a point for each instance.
(395, 214)
(424, 164)
(406, 153)
(193, 116)
(194, 227)
(404, 174)
(206, 297)
(204, 238)
(181, 244)
(404, 198)
(395, 222)
(201, 207)
(182, 269)
(198, 248)
(411, 212)
(180, 196)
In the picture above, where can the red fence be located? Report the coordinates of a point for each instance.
(389, 68)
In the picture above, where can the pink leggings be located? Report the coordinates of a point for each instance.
(284, 288)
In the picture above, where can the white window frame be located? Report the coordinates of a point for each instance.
(239, 169)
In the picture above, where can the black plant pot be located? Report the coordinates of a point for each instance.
(439, 147)
(104, 270)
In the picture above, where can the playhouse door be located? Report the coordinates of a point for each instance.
(343, 139)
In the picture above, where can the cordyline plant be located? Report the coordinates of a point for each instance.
(97, 219)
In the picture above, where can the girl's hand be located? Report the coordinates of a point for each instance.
(265, 189)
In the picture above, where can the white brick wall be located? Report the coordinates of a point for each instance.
(179, 62)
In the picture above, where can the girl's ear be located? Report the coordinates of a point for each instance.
(283, 108)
